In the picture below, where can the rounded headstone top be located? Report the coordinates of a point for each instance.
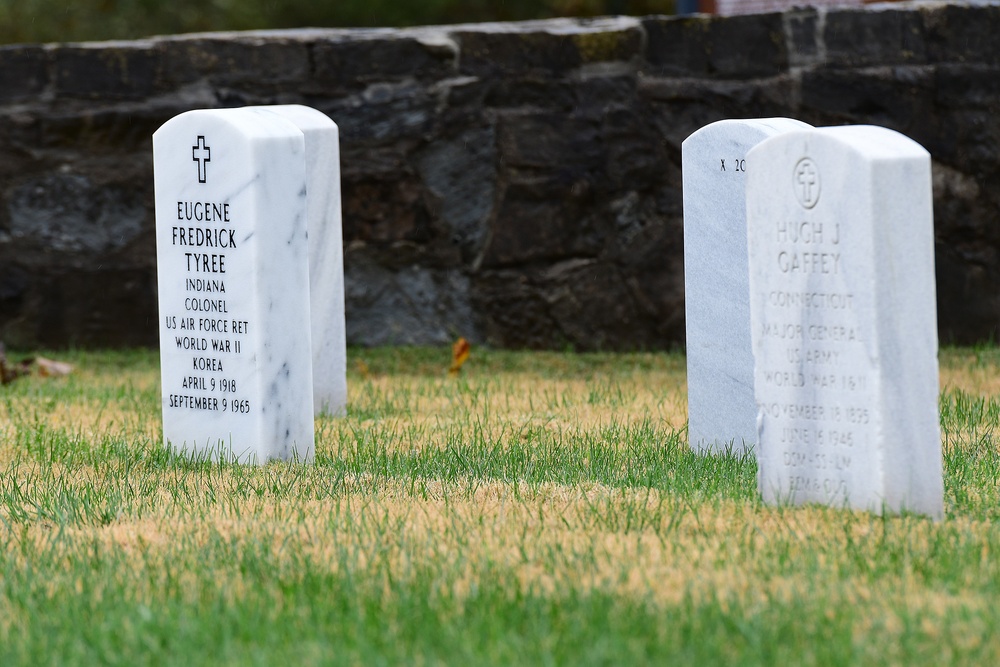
(305, 118)
(877, 142)
(247, 121)
(760, 127)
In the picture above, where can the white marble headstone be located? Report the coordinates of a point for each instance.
(326, 255)
(722, 413)
(232, 272)
(843, 313)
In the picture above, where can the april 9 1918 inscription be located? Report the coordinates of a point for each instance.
(721, 409)
(232, 276)
(843, 320)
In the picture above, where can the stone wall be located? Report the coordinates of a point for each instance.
(518, 184)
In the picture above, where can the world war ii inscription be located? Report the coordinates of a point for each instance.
(206, 326)
(233, 285)
(813, 334)
(840, 238)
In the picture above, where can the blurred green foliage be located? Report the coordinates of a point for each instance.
(85, 20)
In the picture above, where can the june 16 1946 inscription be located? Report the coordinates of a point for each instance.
(840, 235)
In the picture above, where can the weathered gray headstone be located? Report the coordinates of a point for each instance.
(842, 298)
(722, 413)
(232, 270)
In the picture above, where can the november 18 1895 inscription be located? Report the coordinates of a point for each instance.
(840, 236)
(233, 289)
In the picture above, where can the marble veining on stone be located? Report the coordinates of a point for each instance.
(232, 274)
(326, 255)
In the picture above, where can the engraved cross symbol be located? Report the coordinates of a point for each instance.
(201, 154)
(806, 177)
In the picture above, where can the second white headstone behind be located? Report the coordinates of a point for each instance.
(326, 255)
(722, 414)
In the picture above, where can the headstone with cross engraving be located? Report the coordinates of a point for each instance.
(326, 255)
(232, 271)
(722, 414)
(843, 316)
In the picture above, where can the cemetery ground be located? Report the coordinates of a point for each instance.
(537, 508)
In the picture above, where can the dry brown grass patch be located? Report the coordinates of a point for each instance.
(554, 538)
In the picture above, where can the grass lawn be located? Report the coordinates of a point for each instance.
(540, 508)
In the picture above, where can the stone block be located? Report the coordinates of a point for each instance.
(100, 71)
(24, 72)
(874, 38)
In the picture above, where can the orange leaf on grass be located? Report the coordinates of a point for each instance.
(459, 355)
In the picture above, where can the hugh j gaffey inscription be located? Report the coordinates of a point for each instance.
(722, 414)
(843, 320)
(233, 282)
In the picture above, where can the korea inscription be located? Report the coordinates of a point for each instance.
(221, 307)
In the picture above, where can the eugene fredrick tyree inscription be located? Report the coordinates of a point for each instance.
(233, 279)
(204, 234)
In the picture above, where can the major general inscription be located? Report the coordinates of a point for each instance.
(842, 313)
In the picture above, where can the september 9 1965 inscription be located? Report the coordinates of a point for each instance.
(233, 286)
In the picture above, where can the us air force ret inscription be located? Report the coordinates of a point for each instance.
(204, 325)
(225, 217)
(842, 320)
